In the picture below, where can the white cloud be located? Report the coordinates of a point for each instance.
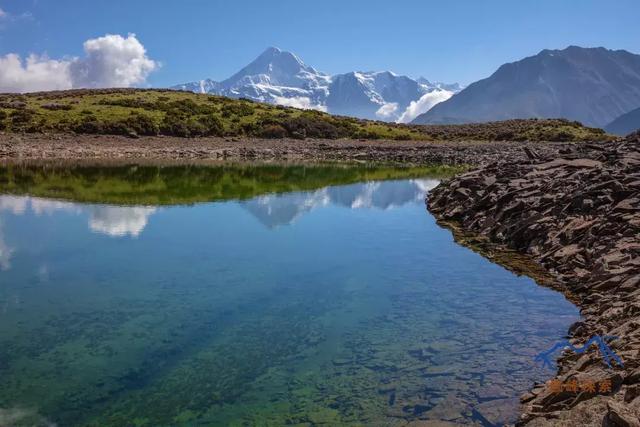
(424, 104)
(3, 14)
(14, 204)
(112, 61)
(115, 221)
(5, 254)
(302, 102)
(34, 74)
(387, 111)
(48, 207)
(109, 61)
(119, 221)
(425, 185)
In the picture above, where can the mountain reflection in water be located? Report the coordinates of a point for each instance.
(271, 210)
(281, 209)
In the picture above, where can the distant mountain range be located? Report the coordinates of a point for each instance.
(280, 77)
(625, 124)
(592, 85)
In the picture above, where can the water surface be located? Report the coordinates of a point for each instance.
(254, 295)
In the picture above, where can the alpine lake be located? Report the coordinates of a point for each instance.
(255, 294)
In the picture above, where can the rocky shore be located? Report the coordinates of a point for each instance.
(106, 147)
(576, 212)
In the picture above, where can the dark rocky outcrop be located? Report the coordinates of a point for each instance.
(578, 215)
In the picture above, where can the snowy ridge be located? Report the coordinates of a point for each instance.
(280, 77)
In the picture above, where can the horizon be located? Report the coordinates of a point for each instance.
(470, 46)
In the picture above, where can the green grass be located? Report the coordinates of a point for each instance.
(135, 112)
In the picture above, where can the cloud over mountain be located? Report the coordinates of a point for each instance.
(109, 61)
(424, 104)
(282, 78)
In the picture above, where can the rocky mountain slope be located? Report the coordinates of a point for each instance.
(625, 124)
(280, 77)
(591, 85)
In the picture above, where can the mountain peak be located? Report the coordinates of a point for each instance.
(280, 77)
(276, 55)
(273, 66)
(591, 85)
(272, 50)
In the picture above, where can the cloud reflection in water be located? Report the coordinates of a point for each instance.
(114, 221)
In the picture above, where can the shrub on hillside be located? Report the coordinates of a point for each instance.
(141, 124)
(365, 134)
(88, 124)
(22, 119)
(127, 102)
(209, 125)
(185, 106)
(402, 137)
(240, 109)
(250, 129)
(176, 123)
(273, 131)
(135, 124)
(306, 127)
(12, 104)
(55, 106)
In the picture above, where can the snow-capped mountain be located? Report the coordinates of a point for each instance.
(454, 87)
(280, 77)
(374, 95)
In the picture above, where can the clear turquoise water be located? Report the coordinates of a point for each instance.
(343, 305)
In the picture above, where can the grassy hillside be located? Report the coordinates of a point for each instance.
(136, 112)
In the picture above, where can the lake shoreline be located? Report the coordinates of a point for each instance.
(577, 215)
(71, 147)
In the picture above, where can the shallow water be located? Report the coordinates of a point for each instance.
(266, 305)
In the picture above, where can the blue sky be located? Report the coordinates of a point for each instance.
(441, 40)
